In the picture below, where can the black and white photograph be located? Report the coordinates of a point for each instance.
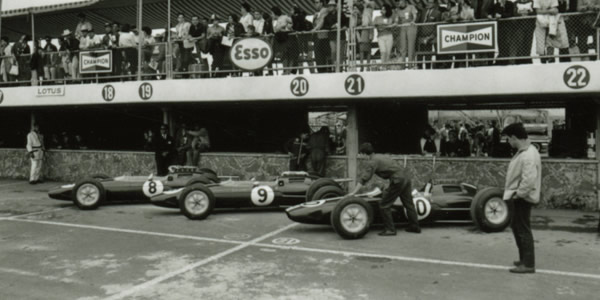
(299, 149)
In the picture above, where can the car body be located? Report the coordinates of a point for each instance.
(290, 188)
(90, 192)
(456, 202)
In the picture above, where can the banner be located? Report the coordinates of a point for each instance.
(467, 37)
(91, 62)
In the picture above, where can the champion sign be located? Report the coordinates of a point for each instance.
(95, 62)
(251, 54)
(467, 38)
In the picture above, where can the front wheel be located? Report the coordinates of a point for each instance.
(88, 194)
(489, 212)
(196, 202)
(352, 217)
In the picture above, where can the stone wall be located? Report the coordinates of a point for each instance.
(565, 183)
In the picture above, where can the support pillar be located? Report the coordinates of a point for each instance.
(597, 133)
(352, 144)
(140, 6)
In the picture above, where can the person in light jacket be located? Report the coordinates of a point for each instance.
(522, 191)
(35, 151)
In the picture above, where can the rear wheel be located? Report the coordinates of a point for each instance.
(210, 174)
(88, 194)
(352, 217)
(489, 212)
(321, 182)
(100, 176)
(328, 191)
(196, 202)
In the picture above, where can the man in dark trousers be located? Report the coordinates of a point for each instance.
(319, 143)
(522, 191)
(296, 148)
(163, 150)
(400, 186)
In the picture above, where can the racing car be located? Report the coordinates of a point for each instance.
(351, 216)
(90, 193)
(197, 201)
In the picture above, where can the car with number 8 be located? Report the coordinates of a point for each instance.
(351, 216)
(90, 193)
(197, 201)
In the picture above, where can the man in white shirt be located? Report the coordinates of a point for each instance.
(90, 40)
(522, 191)
(35, 150)
(259, 23)
(83, 22)
(185, 45)
(246, 18)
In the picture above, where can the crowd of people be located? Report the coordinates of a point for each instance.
(463, 139)
(402, 32)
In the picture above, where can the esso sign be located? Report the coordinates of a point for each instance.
(251, 54)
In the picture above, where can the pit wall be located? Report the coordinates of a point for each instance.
(565, 183)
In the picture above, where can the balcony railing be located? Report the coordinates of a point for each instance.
(414, 46)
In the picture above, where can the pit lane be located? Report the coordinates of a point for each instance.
(51, 250)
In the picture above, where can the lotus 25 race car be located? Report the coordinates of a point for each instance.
(198, 200)
(351, 216)
(91, 192)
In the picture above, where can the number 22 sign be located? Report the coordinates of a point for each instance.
(576, 77)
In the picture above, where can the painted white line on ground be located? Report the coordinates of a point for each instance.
(169, 275)
(113, 229)
(32, 214)
(14, 183)
(425, 260)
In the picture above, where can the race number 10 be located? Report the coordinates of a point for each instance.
(299, 86)
(576, 77)
(354, 85)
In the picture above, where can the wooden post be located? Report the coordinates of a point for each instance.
(352, 144)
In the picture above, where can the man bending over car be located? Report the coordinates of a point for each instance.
(400, 186)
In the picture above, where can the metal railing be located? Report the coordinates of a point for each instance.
(414, 46)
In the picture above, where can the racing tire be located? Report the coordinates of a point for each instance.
(351, 218)
(319, 183)
(88, 194)
(489, 212)
(326, 192)
(100, 176)
(210, 174)
(200, 179)
(196, 202)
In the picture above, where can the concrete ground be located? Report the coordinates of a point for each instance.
(51, 250)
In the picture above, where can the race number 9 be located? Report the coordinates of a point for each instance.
(354, 84)
(422, 207)
(108, 93)
(262, 195)
(145, 91)
(152, 188)
(576, 77)
(299, 86)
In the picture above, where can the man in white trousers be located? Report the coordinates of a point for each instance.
(35, 150)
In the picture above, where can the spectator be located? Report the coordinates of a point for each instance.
(148, 140)
(8, 60)
(66, 141)
(493, 139)
(183, 144)
(258, 22)
(321, 46)
(318, 144)
(83, 23)
(79, 144)
(234, 29)
(427, 142)
(51, 59)
(36, 64)
(148, 45)
(251, 32)
(246, 18)
(200, 143)
(364, 18)
(93, 41)
(54, 142)
(340, 138)
(157, 60)
(185, 45)
(581, 27)
(430, 13)
(268, 27)
(461, 11)
(163, 151)
(215, 48)
(21, 52)
(71, 47)
(197, 35)
(463, 148)
(331, 23)
(35, 149)
(129, 53)
(385, 37)
(284, 45)
(503, 9)
(483, 9)
(106, 38)
(520, 45)
(296, 147)
(115, 38)
(550, 30)
(406, 16)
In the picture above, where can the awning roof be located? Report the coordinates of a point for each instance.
(53, 19)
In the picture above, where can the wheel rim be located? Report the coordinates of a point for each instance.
(88, 194)
(354, 218)
(196, 202)
(496, 211)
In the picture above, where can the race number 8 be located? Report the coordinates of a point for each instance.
(262, 195)
(152, 188)
(145, 91)
(299, 86)
(108, 93)
(576, 77)
(354, 84)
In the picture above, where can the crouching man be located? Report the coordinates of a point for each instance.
(400, 186)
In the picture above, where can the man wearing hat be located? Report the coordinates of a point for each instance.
(35, 151)
(164, 146)
(71, 44)
(82, 23)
